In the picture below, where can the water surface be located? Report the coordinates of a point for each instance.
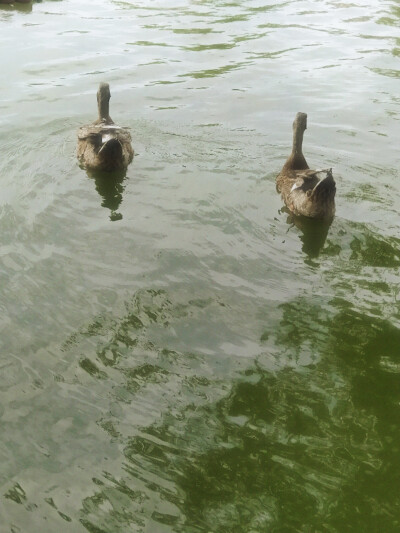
(176, 355)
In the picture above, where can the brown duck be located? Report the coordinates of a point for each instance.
(103, 145)
(303, 192)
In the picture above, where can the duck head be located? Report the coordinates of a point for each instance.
(300, 122)
(103, 103)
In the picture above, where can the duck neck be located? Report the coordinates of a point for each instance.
(297, 149)
(296, 160)
(104, 109)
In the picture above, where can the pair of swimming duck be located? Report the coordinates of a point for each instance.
(104, 146)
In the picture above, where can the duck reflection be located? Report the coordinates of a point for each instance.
(314, 232)
(110, 186)
(24, 6)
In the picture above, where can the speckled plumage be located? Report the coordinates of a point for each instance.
(303, 192)
(103, 145)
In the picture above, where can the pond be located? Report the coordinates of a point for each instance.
(177, 354)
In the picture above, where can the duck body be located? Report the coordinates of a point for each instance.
(103, 145)
(301, 188)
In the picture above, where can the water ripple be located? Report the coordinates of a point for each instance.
(177, 352)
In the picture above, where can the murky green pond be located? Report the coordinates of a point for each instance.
(175, 354)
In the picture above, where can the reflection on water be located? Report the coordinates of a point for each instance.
(268, 450)
(110, 186)
(205, 364)
(16, 6)
(313, 232)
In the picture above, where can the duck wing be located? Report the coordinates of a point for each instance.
(101, 133)
(309, 173)
(307, 180)
(88, 131)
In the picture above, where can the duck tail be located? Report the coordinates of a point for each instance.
(111, 148)
(325, 189)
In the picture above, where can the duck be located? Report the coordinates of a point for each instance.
(302, 189)
(102, 145)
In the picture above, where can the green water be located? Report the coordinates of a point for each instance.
(175, 354)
